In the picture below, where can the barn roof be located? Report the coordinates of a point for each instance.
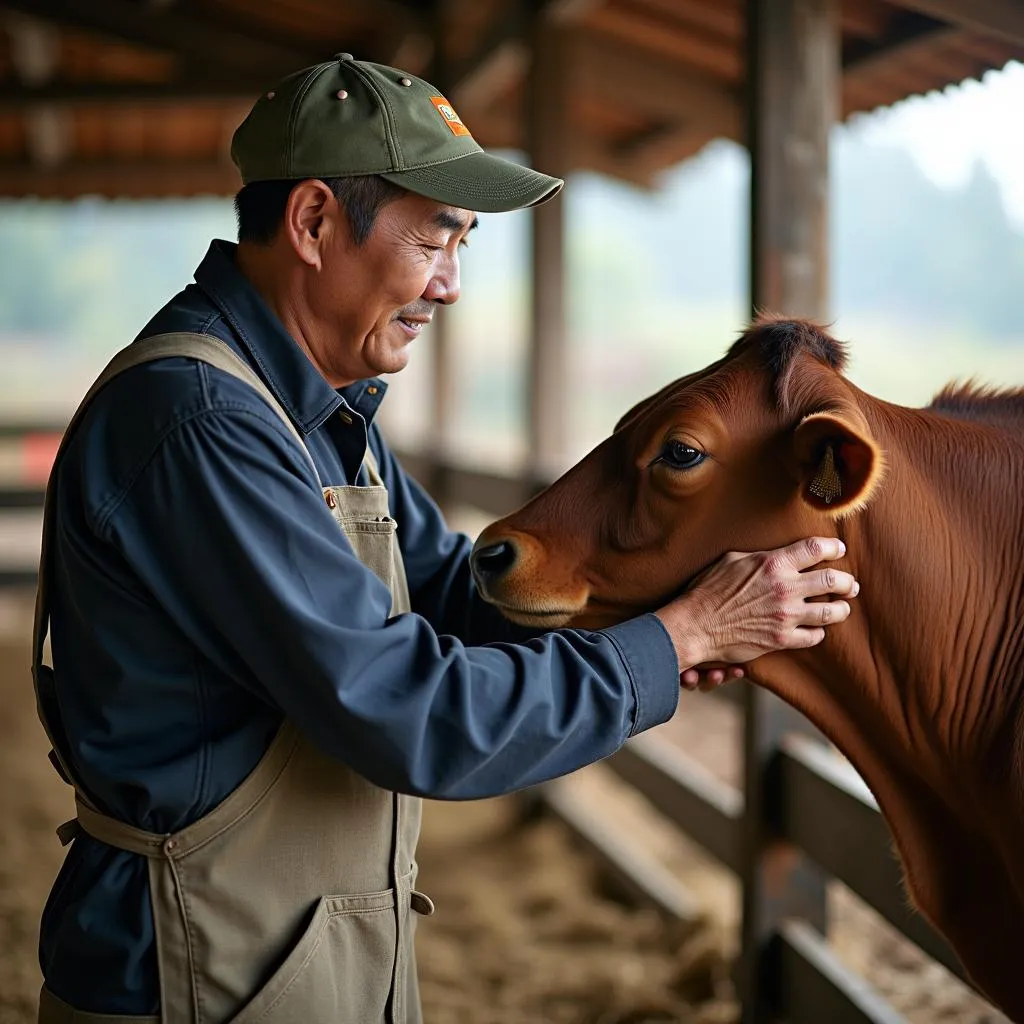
(140, 97)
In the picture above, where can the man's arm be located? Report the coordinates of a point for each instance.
(437, 561)
(228, 531)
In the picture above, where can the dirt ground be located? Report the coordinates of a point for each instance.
(524, 929)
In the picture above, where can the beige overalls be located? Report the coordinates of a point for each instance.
(291, 901)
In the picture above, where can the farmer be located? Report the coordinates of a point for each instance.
(255, 671)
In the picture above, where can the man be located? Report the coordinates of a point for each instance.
(255, 672)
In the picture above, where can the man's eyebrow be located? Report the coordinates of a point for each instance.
(450, 221)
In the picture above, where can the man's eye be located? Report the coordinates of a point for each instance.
(677, 455)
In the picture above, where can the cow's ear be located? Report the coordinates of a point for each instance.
(839, 463)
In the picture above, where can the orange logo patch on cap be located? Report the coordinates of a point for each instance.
(445, 109)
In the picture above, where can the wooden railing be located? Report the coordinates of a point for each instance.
(810, 805)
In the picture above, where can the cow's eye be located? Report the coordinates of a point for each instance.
(677, 455)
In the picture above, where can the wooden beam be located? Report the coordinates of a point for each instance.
(189, 89)
(793, 83)
(119, 179)
(171, 29)
(708, 810)
(813, 985)
(635, 872)
(547, 110)
(793, 106)
(911, 34)
(651, 84)
(830, 813)
(1003, 19)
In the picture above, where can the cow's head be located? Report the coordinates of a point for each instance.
(763, 447)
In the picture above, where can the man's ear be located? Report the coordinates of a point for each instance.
(839, 463)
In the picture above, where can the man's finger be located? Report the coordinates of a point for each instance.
(822, 613)
(805, 553)
(828, 581)
(806, 637)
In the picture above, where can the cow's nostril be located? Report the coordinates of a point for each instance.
(494, 560)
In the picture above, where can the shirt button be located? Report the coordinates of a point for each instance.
(170, 845)
(344, 416)
(371, 390)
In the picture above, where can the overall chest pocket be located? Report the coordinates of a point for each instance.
(362, 515)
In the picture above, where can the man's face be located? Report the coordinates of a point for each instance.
(380, 295)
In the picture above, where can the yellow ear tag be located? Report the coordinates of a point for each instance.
(827, 484)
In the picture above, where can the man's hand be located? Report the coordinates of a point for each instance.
(749, 604)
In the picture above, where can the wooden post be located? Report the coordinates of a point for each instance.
(793, 81)
(548, 123)
(792, 105)
(442, 392)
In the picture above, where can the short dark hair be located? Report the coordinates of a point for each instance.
(259, 206)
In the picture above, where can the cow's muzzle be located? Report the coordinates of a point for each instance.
(491, 562)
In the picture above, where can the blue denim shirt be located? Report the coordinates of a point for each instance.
(202, 591)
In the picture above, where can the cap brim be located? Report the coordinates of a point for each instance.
(479, 182)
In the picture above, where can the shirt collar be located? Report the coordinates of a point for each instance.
(294, 380)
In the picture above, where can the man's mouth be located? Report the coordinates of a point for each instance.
(413, 325)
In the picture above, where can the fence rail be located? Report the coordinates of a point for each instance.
(811, 801)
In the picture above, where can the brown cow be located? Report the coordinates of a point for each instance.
(923, 687)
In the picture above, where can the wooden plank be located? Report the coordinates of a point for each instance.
(173, 29)
(547, 110)
(1003, 19)
(828, 811)
(708, 810)
(120, 179)
(640, 876)
(813, 986)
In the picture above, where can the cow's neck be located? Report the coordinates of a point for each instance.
(927, 701)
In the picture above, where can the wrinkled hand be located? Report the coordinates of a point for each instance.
(751, 603)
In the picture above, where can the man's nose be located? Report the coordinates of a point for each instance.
(444, 285)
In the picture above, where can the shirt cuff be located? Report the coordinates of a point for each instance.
(650, 659)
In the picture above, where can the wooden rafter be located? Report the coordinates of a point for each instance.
(170, 29)
(1003, 19)
(910, 33)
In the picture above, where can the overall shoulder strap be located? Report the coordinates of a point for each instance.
(161, 346)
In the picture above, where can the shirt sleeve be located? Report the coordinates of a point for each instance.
(227, 528)
(441, 585)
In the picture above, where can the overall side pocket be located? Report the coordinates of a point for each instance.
(341, 969)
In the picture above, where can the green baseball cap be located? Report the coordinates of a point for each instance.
(350, 117)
